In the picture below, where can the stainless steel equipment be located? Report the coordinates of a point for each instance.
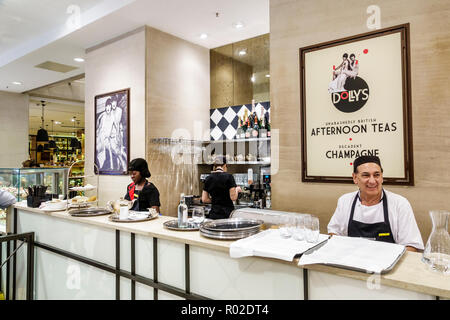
(230, 229)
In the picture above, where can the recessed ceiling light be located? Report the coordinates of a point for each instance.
(78, 59)
(17, 83)
(243, 52)
(57, 122)
(267, 75)
(238, 25)
(203, 36)
(252, 79)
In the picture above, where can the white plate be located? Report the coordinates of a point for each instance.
(82, 188)
(50, 209)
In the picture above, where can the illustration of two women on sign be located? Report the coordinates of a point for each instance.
(347, 69)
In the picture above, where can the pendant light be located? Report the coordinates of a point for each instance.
(73, 143)
(52, 143)
(42, 134)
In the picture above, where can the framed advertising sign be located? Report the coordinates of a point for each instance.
(112, 132)
(356, 100)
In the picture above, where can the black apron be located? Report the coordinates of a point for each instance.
(380, 231)
(219, 211)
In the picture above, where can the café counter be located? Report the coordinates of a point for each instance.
(95, 258)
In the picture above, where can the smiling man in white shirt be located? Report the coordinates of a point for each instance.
(375, 213)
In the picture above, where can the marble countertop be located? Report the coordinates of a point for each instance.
(410, 273)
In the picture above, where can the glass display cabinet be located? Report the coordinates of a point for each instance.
(16, 180)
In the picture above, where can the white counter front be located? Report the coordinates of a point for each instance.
(94, 258)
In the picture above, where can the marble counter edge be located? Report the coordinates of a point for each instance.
(395, 278)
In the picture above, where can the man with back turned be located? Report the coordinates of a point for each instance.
(375, 213)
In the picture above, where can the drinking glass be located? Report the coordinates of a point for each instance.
(312, 234)
(286, 225)
(298, 233)
(198, 215)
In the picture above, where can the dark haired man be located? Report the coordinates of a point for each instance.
(145, 192)
(375, 213)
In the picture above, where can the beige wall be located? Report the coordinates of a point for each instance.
(177, 85)
(116, 65)
(177, 101)
(13, 129)
(299, 23)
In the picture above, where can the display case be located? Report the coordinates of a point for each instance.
(16, 180)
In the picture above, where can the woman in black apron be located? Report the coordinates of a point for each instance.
(145, 192)
(220, 190)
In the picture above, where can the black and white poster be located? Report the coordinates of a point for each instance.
(112, 132)
(355, 101)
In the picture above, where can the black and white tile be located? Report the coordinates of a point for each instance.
(223, 122)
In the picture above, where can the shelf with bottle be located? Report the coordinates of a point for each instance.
(252, 126)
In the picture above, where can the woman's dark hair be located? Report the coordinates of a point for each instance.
(352, 55)
(140, 165)
(219, 161)
(345, 56)
(108, 102)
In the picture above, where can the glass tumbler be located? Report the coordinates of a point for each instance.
(298, 233)
(198, 215)
(312, 234)
(286, 226)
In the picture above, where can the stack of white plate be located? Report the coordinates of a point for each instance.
(54, 205)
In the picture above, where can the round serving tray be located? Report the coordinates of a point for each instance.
(173, 225)
(89, 212)
(233, 225)
(227, 235)
(115, 218)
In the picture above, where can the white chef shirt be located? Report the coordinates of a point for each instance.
(401, 218)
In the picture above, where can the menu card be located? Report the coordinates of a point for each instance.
(359, 253)
(270, 244)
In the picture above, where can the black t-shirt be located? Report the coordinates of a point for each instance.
(218, 185)
(146, 198)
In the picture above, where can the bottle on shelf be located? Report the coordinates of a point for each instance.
(255, 129)
(243, 129)
(263, 129)
(239, 129)
(268, 202)
(248, 132)
(182, 212)
(267, 120)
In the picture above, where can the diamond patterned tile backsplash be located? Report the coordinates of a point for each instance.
(224, 121)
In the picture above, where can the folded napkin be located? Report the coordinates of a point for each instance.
(359, 253)
(270, 244)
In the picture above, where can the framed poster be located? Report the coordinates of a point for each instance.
(112, 130)
(356, 100)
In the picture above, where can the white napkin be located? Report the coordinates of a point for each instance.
(270, 244)
(369, 255)
(137, 215)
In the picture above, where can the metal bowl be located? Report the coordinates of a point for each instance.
(89, 212)
(232, 224)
